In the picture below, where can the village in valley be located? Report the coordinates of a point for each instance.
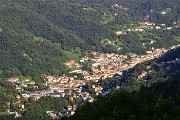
(83, 85)
(57, 56)
(102, 66)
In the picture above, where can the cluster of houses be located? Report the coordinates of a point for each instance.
(21, 84)
(116, 6)
(67, 111)
(103, 66)
(107, 65)
(145, 26)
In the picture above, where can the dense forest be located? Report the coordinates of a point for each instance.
(156, 102)
(34, 34)
(141, 8)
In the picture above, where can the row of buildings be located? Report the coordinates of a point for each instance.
(103, 66)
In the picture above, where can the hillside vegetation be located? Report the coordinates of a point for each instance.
(37, 36)
(33, 34)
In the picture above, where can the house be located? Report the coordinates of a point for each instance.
(148, 67)
(13, 79)
(81, 60)
(99, 88)
(26, 80)
(18, 97)
(69, 107)
(52, 114)
(142, 74)
(74, 107)
(95, 64)
(32, 83)
(163, 25)
(93, 86)
(94, 53)
(63, 94)
(21, 106)
(91, 100)
(54, 95)
(169, 28)
(18, 87)
(147, 23)
(157, 27)
(62, 90)
(163, 13)
(72, 112)
(70, 63)
(118, 32)
(149, 52)
(25, 95)
(36, 87)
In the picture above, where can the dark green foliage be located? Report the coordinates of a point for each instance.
(20, 55)
(50, 103)
(122, 105)
(37, 110)
(7, 95)
(56, 24)
(142, 8)
(132, 43)
(33, 33)
(8, 117)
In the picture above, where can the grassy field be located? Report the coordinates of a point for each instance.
(90, 9)
(28, 57)
(107, 18)
(148, 36)
(39, 39)
(1, 30)
(72, 55)
(177, 39)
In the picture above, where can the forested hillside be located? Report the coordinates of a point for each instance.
(148, 103)
(142, 8)
(35, 33)
(37, 38)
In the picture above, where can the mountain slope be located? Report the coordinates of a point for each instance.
(64, 22)
(35, 33)
(142, 8)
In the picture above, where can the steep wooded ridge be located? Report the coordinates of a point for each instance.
(142, 8)
(34, 33)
